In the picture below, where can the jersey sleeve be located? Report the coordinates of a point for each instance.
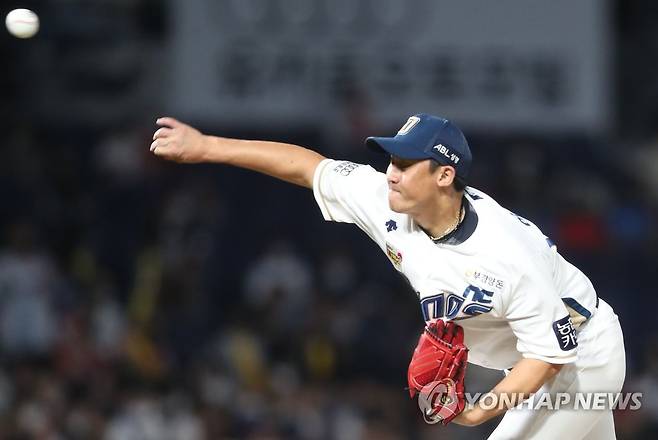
(350, 193)
(540, 321)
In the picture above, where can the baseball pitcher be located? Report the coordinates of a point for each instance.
(493, 289)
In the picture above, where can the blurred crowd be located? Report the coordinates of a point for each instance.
(145, 300)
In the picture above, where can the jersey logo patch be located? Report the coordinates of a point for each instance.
(472, 302)
(394, 255)
(391, 226)
(565, 333)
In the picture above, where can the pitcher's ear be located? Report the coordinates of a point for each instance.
(445, 176)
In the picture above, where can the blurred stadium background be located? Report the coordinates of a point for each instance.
(145, 300)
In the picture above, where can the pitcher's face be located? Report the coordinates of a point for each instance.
(411, 185)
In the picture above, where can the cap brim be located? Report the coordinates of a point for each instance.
(394, 147)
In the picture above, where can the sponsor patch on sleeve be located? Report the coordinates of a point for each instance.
(394, 255)
(565, 333)
(344, 168)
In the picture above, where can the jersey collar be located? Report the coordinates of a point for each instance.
(465, 229)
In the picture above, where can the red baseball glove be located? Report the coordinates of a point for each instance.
(436, 371)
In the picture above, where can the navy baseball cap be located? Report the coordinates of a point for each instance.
(425, 136)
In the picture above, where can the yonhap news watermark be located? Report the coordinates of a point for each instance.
(579, 401)
(591, 401)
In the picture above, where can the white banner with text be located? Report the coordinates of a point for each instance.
(508, 64)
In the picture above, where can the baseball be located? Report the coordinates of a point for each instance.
(22, 23)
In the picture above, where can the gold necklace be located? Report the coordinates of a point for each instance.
(451, 229)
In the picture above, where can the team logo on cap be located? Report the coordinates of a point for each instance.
(411, 123)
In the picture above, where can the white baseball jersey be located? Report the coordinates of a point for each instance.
(505, 282)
